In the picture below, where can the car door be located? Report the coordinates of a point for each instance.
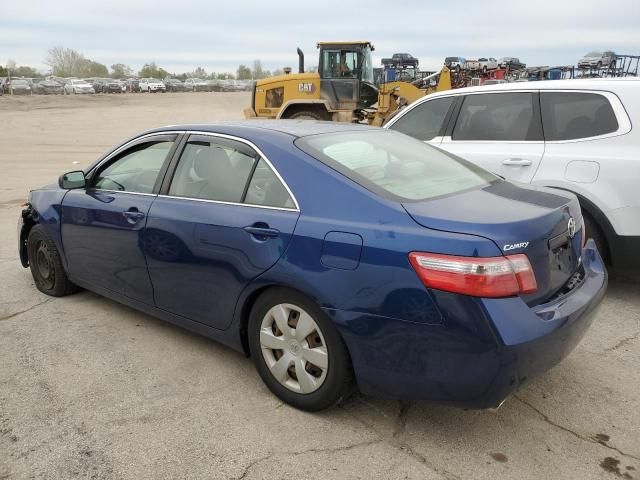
(425, 121)
(102, 224)
(224, 216)
(501, 132)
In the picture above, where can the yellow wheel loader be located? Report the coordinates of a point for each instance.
(342, 90)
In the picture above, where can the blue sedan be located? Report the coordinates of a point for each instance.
(335, 255)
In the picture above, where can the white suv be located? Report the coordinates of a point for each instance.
(574, 135)
(151, 85)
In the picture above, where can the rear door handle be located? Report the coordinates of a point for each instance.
(522, 162)
(262, 233)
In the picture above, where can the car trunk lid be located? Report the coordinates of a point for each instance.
(518, 219)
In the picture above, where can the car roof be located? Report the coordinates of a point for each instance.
(573, 84)
(294, 128)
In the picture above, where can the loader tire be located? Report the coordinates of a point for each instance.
(307, 115)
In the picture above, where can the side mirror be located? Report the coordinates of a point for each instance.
(71, 180)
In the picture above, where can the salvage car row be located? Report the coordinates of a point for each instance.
(76, 86)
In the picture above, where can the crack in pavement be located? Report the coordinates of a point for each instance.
(257, 461)
(15, 314)
(402, 445)
(623, 342)
(571, 432)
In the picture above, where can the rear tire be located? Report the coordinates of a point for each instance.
(320, 359)
(46, 265)
(307, 115)
(595, 232)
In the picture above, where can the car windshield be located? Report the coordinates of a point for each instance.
(154, 80)
(593, 54)
(394, 165)
(451, 59)
(19, 82)
(197, 80)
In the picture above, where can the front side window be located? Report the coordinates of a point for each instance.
(136, 170)
(498, 117)
(424, 121)
(394, 165)
(573, 115)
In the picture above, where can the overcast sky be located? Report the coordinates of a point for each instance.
(181, 35)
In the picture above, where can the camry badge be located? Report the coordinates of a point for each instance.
(571, 227)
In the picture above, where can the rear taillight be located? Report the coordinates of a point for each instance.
(475, 276)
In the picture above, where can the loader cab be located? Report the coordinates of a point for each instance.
(346, 75)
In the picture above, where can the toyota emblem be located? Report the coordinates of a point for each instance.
(571, 227)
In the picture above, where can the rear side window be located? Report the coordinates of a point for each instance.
(572, 115)
(424, 121)
(227, 171)
(498, 117)
(212, 170)
(393, 165)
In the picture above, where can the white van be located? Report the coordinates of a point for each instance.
(575, 135)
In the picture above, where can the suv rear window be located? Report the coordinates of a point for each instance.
(498, 117)
(424, 121)
(573, 115)
(394, 165)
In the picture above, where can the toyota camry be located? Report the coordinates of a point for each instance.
(337, 256)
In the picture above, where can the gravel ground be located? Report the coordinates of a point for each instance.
(92, 389)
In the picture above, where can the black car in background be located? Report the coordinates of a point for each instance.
(513, 63)
(111, 86)
(47, 87)
(174, 85)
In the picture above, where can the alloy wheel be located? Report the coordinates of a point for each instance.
(294, 348)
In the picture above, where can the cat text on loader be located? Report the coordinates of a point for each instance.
(342, 90)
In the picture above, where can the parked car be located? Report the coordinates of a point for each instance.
(112, 86)
(174, 85)
(454, 63)
(513, 63)
(20, 86)
(151, 85)
(215, 85)
(597, 59)
(231, 86)
(78, 87)
(4, 84)
(580, 139)
(435, 263)
(487, 63)
(196, 85)
(133, 85)
(48, 87)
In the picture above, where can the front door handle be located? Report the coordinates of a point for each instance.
(522, 162)
(262, 232)
(133, 215)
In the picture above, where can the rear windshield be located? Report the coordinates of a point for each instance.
(394, 165)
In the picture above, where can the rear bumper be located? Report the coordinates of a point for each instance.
(484, 350)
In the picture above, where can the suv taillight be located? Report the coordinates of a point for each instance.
(476, 276)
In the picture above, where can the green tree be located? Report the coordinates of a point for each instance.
(244, 73)
(152, 70)
(199, 73)
(24, 71)
(93, 69)
(3, 71)
(120, 70)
